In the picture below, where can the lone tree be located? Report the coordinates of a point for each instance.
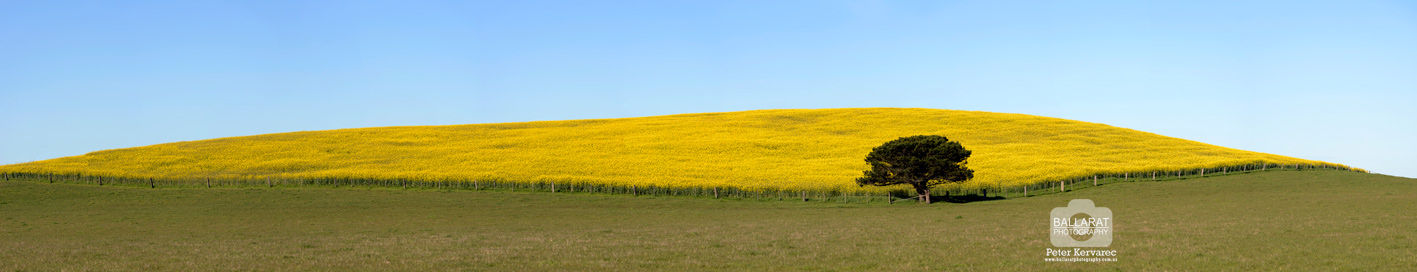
(921, 161)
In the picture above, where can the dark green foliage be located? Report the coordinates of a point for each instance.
(921, 161)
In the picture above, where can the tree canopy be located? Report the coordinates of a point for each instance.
(921, 161)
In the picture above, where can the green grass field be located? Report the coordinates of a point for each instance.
(1278, 220)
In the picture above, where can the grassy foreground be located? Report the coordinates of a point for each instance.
(1281, 220)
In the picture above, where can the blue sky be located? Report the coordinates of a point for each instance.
(1334, 81)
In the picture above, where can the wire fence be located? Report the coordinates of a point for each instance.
(953, 193)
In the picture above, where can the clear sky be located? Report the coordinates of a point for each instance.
(1333, 81)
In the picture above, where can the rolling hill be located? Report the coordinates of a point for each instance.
(812, 149)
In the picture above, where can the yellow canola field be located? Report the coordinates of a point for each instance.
(817, 149)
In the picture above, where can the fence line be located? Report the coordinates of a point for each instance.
(716, 192)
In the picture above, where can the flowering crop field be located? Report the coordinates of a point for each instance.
(816, 149)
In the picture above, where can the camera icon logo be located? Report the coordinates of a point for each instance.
(1081, 224)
